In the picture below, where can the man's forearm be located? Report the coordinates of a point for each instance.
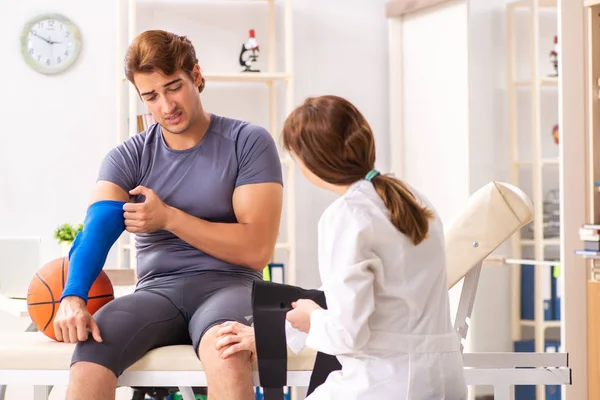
(231, 242)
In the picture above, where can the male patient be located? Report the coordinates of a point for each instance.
(203, 194)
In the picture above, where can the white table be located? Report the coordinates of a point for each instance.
(15, 307)
(18, 308)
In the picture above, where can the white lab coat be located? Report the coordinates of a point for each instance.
(388, 316)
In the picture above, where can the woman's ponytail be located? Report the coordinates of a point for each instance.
(335, 142)
(405, 212)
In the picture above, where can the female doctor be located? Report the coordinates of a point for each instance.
(382, 264)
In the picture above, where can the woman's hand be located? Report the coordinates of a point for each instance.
(299, 317)
(233, 337)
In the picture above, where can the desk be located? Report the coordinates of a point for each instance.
(14, 307)
(18, 308)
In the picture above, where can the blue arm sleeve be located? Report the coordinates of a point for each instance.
(104, 223)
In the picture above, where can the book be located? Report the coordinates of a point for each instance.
(145, 121)
(589, 253)
(591, 245)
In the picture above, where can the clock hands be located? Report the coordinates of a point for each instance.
(46, 40)
(43, 38)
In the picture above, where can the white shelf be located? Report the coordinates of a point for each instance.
(546, 324)
(541, 4)
(544, 81)
(545, 242)
(266, 77)
(287, 161)
(240, 77)
(536, 82)
(195, 2)
(543, 161)
(15, 307)
(283, 246)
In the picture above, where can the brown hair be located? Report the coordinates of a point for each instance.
(335, 142)
(160, 50)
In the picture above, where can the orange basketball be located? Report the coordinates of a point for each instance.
(45, 289)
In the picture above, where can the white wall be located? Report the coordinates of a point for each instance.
(435, 78)
(435, 114)
(55, 131)
(347, 56)
(55, 128)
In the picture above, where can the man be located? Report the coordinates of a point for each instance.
(203, 193)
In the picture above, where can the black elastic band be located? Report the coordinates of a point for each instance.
(270, 303)
(272, 393)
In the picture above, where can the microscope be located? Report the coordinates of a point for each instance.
(554, 56)
(249, 53)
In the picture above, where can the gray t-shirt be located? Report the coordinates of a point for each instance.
(199, 181)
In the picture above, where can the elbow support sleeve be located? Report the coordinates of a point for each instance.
(270, 303)
(104, 223)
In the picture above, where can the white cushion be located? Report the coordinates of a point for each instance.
(492, 215)
(34, 351)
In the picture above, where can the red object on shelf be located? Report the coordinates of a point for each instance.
(555, 133)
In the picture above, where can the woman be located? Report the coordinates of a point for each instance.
(382, 264)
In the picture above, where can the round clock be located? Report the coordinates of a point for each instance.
(50, 43)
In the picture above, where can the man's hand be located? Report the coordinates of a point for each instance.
(72, 321)
(233, 337)
(149, 216)
(299, 317)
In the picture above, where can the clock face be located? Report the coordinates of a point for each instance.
(50, 44)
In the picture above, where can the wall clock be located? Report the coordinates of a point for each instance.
(50, 43)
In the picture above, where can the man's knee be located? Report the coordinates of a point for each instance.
(238, 363)
(91, 381)
(91, 368)
(85, 372)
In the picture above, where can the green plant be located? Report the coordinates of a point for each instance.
(67, 232)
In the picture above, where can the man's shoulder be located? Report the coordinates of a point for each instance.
(237, 130)
(138, 141)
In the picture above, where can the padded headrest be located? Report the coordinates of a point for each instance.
(492, 215)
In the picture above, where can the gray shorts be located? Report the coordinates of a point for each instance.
(166, 311)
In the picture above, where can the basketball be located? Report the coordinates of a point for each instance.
(45, 289)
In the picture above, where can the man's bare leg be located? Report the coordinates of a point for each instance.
(89, 381)
(230, 378)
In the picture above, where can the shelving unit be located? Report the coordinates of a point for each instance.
(528, 172)
(592, 264)
(275, 78)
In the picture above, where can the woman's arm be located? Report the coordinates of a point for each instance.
(347, 264)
